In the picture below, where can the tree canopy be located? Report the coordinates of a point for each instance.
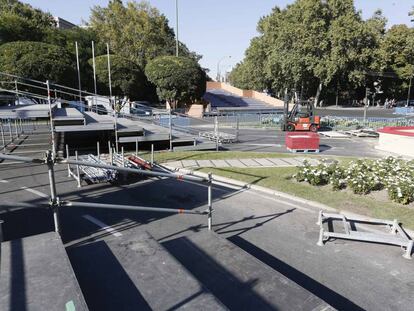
(178, 79)
(319, 48)
(136, 31)
(127, 78)
(37, 60)
(20, 21)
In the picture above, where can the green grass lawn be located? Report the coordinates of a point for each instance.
(280, 179)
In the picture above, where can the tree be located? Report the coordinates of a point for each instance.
(20, 22)
(178, 79)
(396, 57)
(313, 46)
(127, 79)
(135, 31)
(38, 61)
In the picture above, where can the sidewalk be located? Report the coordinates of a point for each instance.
(242, 163)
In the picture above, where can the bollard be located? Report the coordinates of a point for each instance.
(210, 207)
(98, 150)
(77, 170)
(123, 157)
(54, 200)
(111, 154)
(136, 147)
(67, 158)
(152, 153)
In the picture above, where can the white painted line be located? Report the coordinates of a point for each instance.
(3, 181)
(38, 193)
(102, 225)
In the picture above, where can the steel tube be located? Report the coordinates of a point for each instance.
(20, 159)
(10, 131)
(135, 171)
(53, 197)
(77, 169)
(132, 207)
(2, 136)
(152, 153)
(1, 236)
(67, 158)
(210, 207)
(49, 100)
(170, 128)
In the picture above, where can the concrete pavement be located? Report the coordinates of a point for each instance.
(280, 233)
(242, 163)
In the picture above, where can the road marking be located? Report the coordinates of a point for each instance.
(102, 225)
(3, 181)
(38, 193)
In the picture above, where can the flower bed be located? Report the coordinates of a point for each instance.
(364, 176)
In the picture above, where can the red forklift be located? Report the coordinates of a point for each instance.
(301, 117)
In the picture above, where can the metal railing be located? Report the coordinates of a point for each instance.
(55, 204)
(346, 123)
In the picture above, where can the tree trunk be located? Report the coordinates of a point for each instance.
(318, 94)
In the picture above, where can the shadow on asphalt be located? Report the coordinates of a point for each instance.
(336, 300)
(110, 287)
(232, 292)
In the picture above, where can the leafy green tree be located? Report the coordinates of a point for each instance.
(396, 57)
(127, 79)
(20, 22)
(313, 46)
(135, 31)
(178, 79)
(66, 39)
(37, 60)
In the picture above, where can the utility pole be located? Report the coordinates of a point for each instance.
(176, 28)
(94, 67)
(77, 66)
(51, 119)
(110, 97)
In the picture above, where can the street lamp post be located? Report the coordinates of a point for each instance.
(176, 26)
(218, 67)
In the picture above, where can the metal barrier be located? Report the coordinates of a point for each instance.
(55, 203)
(346, 123)
(397, 236)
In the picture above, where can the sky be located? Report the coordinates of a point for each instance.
(219, 29)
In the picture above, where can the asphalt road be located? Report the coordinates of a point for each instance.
(273, 140)
(281, 234)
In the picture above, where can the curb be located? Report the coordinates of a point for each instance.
(254, 187)
(265, 190)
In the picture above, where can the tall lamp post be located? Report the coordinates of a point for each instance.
(218, 67)
(176, 26)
